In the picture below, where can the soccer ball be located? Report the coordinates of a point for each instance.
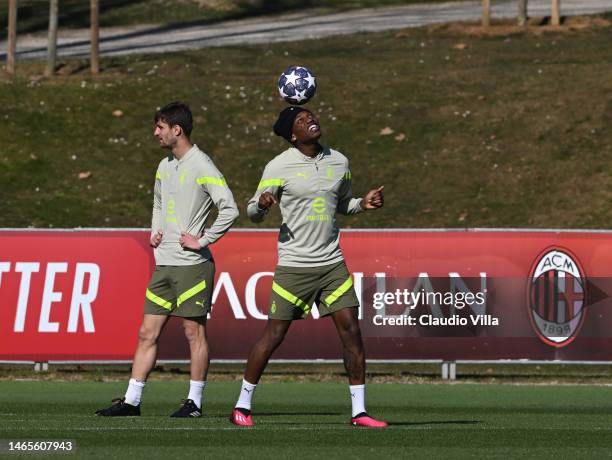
(297, 85)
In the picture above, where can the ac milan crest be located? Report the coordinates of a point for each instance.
(557, 297)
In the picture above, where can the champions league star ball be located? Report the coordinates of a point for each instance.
(297, 85)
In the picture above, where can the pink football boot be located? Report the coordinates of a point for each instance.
(238, 418)
(364, 419)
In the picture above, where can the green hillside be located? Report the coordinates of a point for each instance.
(501, 131)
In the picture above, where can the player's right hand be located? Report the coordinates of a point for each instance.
(156, 239)
(266, 200)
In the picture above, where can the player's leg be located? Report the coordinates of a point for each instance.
(353, 354)
(146, 350)
(194, 284)
(292, 292)
(159, 301)
(195, 333)
(273, 335)
(347, 325)
(339, 300)
(144, 361)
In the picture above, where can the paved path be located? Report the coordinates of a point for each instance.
(291, 27)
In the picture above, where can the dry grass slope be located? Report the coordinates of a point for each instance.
(464, 129)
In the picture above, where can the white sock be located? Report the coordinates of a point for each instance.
(357, 398)
(134, 392)
(246, 394)
(196, 388)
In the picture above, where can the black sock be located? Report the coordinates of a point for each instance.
(243, 411)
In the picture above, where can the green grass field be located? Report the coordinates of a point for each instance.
(305, 420)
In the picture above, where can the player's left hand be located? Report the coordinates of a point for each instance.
(188, 241)
(374, 199)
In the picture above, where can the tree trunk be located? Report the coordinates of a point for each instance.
(555, 16)
(522, 13)
(52, 41)
(12, 37)
(486, 13)
(95, 35)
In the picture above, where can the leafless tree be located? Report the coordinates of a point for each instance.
(486, 13)
(52, 40)
(12, 37)
(95, 35)
(522, 13)
(555, 16)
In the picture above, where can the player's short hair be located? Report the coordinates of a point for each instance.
(176, 113)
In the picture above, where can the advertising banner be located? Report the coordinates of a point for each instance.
(468, 294)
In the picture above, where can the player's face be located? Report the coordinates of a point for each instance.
(166, 135)
(306, 128)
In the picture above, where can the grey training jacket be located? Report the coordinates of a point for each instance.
(185, 191)
(310, 192)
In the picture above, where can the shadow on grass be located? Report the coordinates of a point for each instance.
(33, 17)
(438, 422)
(154, 31)
(260, 418)
(547, 21)
(284, 414)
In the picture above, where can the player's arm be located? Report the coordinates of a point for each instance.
(267, 194)
(348, 205)
(156, 221)
(221, 195)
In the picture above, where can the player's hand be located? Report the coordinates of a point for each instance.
(374, 199)
(188, 241)
(156, 239)
(266, 200)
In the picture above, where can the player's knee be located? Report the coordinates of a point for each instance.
(275, 336)
(350, 331)
(351, 338)
(193, 334)
(147, 335)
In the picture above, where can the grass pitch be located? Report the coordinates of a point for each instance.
(310, 419)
